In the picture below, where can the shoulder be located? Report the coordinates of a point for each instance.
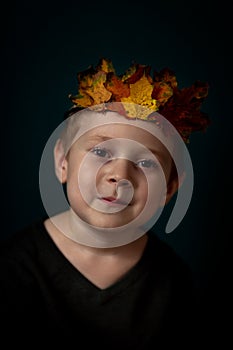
(166, 262)
(24, 243)
(160, 249)
(172, 276)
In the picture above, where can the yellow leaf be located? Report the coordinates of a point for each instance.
(140, 93)
(105, 65)
(97, 90)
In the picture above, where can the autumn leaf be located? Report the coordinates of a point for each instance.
(162, 92)
(140, 93)
(117, 87)
(105, 65)
(97, 90)
(167, 76)
(136, 72)
(81, 100)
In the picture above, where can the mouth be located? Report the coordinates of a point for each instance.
(114, 201)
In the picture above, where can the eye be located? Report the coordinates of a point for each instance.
(101, 152)
(147, 163)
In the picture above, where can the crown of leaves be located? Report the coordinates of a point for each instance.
(157, 92)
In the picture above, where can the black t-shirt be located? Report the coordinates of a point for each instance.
(43, 295)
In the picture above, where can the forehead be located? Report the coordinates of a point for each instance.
(113, 125)
(117, 130)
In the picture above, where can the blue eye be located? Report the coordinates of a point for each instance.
(100, 152)
(147, 163)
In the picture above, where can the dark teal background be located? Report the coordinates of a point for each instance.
(44, 44)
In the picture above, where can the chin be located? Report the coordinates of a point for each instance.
(111, 221)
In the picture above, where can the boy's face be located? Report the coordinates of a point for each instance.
(113, 172)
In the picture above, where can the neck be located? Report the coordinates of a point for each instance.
(58, 228)
(96, 237)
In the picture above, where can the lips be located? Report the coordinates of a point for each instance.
(109, 199)
(114, 200)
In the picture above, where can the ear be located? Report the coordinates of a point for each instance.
(173, 186)
(60, 161)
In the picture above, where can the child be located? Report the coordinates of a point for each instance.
(96, 273)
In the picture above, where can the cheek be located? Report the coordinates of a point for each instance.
(143, 191)
(157, 189)
(84, 182)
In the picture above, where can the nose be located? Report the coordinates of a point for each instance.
(120, 170)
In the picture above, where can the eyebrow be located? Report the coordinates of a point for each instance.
(99, 138)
